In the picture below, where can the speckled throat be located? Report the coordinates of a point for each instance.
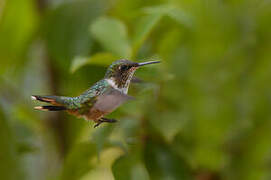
(122, 81)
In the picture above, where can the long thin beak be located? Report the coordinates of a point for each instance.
(146, 63)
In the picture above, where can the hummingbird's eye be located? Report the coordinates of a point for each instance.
(124, 67)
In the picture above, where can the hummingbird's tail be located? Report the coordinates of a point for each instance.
(59, 102)
(50, 108)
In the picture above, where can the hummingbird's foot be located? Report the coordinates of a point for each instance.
(102, 120)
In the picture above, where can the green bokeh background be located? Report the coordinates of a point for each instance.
(203, 113)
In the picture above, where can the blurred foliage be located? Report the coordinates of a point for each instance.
(203, 113)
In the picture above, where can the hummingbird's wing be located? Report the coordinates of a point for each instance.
(136, 80)
(110, 100)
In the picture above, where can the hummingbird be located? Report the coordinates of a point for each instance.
(100, 99)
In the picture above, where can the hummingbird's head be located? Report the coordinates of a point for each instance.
(121, 72)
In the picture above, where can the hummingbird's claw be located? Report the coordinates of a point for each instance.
(108, 120)
(97, 124)
(102, 120)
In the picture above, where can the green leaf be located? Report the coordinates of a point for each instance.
(101, 135)
(154, 14)
(172, 11)
(174, 121)
(97, 59)
(77, 162)
(10, 159)
(18, 22)
(129, 167)
(180, 16)
(163, 163)
(143, 28)
(112, 35)
(67, 29)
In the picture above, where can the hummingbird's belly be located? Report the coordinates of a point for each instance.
(92, 114)
(95, 114)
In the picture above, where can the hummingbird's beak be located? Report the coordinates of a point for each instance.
(146, 63)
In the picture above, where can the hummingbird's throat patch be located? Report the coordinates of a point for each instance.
(112, 83)
(115, 85)
(122, 83)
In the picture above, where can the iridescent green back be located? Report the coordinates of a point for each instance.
(86, 99)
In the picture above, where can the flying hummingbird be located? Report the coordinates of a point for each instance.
(100, 99)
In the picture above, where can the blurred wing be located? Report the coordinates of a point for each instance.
(110, 100)
(136, 80)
